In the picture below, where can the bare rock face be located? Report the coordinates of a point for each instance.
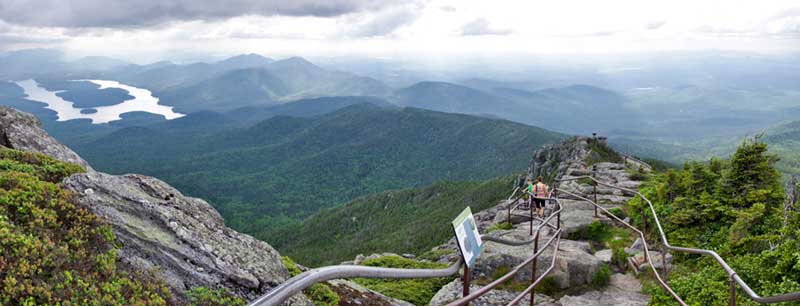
(623, 289)
(181, 239)
(352, 294)
(22, 131)
(497, 297)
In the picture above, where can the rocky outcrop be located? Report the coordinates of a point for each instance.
(181, 239)
(575, 265)
(352, 294)
(454, 289)
(552, 160)
(22, 131)
(623, 289)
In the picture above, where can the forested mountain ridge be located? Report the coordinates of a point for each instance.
(285, 168)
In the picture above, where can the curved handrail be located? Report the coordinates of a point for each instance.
(483, 290)
(788, 297)
(304, 280)
(646, 247)
(546, 222)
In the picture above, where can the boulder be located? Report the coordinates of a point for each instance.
(575, 265)
(623, 289)
(181, 239)
(453, 291)
(22, 131)
(604, 255)
(638, 244)
(352, 294)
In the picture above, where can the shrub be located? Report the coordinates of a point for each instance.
(617, 212)
(203, 296)
(500, 226)
(548, 286)
(416, 291)
(54, 252)
(619, 258)
(321, 294)
(600, 152)
(601, 277)
(595, 231)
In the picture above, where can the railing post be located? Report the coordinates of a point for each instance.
(509, 211)
(664, 259)
(558, 218)
(594, 189)
(594, 192)
(533, 272)
(732, 301)
(644, 221)
(531, 210)
(467, 278)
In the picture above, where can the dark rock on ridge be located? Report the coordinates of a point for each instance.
(182, 239)
(22, 131)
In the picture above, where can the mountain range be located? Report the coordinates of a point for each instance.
(284, 168)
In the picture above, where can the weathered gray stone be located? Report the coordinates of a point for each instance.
(351, 293)
(453, 291)
(22, 131)
(623, 289)
(638, 244)
(574, 266)
(604, 255)
(181, 239)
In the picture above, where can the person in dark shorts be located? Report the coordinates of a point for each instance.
(540, 195)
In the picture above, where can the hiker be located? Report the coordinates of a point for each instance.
(540, 195)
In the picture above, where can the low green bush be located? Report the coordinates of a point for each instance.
(416, 291)
(203, 296)
(321, 294)
(55, 252)
(500, 226)
(619, 258)
(595, 231)
(617, 212)
(601, 277)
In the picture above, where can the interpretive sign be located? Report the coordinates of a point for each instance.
(469, 240)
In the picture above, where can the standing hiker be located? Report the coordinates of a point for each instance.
(540, 195)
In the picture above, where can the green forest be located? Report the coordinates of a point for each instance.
(401, 221)
(285, 169)
(735, 207)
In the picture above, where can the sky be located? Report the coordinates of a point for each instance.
(148, 30)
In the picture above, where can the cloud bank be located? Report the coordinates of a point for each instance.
(139, 13)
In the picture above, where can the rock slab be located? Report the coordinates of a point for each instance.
(181, 239)
(22, 131)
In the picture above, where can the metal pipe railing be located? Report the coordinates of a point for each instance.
(304, 280)
(531, 260)
(788, 297)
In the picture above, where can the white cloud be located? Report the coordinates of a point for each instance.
(440, 28)
(481, 26)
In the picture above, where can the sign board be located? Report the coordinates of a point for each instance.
(467, 236)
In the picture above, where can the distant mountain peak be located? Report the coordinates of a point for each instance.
(246, 61)
(295, 61)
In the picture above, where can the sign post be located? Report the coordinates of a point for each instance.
(469, 243)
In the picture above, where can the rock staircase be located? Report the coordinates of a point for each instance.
(577, 261)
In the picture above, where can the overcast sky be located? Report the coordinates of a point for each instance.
(144, 30)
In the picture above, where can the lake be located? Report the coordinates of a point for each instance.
(143, 101)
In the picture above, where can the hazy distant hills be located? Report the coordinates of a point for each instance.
(784, 139)
(573, 109)
(247, 80)
(286, 168)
